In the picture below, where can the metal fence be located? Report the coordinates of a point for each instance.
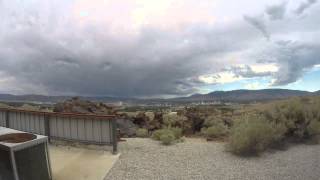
(87, 128)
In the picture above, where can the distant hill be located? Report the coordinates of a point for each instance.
(31, 98)
(222, 96)
(54, 99)
(246, 95)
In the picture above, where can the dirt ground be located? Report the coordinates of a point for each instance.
(145, 159)
(76, 163)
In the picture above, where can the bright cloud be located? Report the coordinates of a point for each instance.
(262, 68)
(220, 78)
(254, 85)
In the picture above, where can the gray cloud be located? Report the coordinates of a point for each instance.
(248, 72)
(293, 59)
(43, 50)
(258, 23)
(95, 62)
(276, 12)
(304, 6)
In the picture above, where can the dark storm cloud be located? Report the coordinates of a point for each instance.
(276, 12)
(43, 50)
(294, 58)
(304, 6)
(156, 62)
(258, 23)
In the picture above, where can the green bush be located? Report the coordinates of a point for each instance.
(141, 132)
(212, 120)
(214, 127)
(253, 135)
(177, 132)
(299, 116)
(157, 134)
(314, 128)
(216, 131)
(150, 115)
(175, 120)
(168, 135)
(167, 139)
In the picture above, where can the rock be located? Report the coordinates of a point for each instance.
(75, 105)
(126, 127)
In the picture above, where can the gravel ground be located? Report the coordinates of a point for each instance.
(145, 159)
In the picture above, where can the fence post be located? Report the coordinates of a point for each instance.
(47, 126)
(7, 119)
(114, 136)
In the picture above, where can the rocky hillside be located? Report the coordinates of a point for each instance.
(246, 95)
(75, 105)
(226, 96)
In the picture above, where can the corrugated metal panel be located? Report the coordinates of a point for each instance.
(41, 124)
(23, 121)
(74, 128)
(27, 119)
(3, 118)
(96, 130)
(18, 122)
(13, 119)
(53, 126)
(86, 128)
(66, 128)
(81, 129)
(106, 132)
(32, 124)
(60, 128)
(89, 130)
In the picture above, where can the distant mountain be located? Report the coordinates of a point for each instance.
(246, 95)
(31, 98)
(222, 96)
(54, 99)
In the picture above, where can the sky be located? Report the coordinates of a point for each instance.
(151, 48)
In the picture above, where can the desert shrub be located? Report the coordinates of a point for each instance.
(170, 119)
(177, 120)
(214, 127)
(167, 139)
(298, 116)
(314, 128)
(173, 119)
(314, 131)
(216, 131)
(253, 135)
(212, 121)
(157, 134)
(141, 132)
(168, 135)
(177, 132)
(150, 115)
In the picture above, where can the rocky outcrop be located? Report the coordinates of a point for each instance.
(75, 105)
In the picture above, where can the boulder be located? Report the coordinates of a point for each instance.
(126, 127)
